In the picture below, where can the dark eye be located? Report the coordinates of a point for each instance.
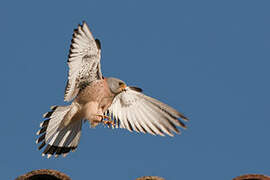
(121, 84)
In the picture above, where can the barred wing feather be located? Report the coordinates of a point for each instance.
(83, 61)
(135, 111)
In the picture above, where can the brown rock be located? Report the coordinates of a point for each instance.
(252, 177)
(44, 174)
(150, 178)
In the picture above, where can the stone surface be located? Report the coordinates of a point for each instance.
(44, 174)
(49, 174)
(252, 177)
(150, 178)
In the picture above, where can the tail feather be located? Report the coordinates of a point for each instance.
(59, 139)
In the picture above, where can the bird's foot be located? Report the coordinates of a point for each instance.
(108, 123)
(103, 117)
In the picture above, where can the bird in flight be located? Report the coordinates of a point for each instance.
(100, 100)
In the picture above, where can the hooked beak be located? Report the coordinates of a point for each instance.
(123, 87)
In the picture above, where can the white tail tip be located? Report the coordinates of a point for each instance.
(38, 132)
(64, 155)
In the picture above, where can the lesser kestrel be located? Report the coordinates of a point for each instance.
(100, 100)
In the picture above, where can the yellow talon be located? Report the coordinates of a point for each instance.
(109, 123)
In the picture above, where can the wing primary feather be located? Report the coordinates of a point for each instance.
(121, 116)
(132, 121)
(137, 125)
(150, 127)
(87, 31)
(165, 107)
(129, 125)
(160, 123)
(146, 125)
(151, 119)
(169, 113)
(48, 114)
(164, 120)
(144, 131)
(137, 121)
(123, 120)
(98, 43)
(118, 123)
(42, 130)
(174, 120)
(169, 119)
(41, 138)
(45, 123)
(46, 149)
(42, 145)
(172, 125)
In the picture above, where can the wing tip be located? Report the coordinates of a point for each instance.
(184, 118)
(180, 115)
(98, 43)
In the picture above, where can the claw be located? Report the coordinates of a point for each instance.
(108, 123)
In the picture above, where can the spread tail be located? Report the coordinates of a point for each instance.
(60, 131)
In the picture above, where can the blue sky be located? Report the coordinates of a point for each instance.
(208, 59)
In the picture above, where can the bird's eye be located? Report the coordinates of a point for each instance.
(121, 84)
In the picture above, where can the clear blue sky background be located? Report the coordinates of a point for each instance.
(208, 59)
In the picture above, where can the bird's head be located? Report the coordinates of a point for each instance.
(116, 85)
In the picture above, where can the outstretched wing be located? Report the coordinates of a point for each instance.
(133, 110)
(83, 61)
